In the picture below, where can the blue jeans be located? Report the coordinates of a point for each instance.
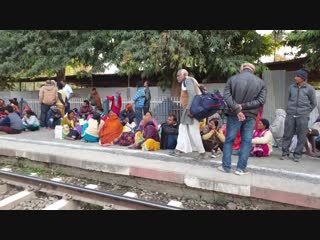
(52, 123)
(172, 142)
(246, 129)
(139, 116)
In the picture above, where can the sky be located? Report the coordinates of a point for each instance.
(282, 51)
(111, 69)
(262, 32)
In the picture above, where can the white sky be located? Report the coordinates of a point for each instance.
(282, 51)
(262, 32)
(111, 69)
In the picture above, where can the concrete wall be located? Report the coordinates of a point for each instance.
(83, 93)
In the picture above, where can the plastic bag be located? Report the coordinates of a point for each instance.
(58, 132)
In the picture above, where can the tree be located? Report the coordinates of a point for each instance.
(308, 44)
(204, 53)
(226, 50)
(157, 53)
(278, 38)
(25, 53)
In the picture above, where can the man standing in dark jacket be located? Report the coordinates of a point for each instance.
(302, 100)
(244, 93)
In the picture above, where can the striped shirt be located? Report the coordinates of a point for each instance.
(139, 98)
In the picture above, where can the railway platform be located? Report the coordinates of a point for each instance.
(270, 178)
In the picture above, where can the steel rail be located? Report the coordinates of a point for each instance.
(76, 192)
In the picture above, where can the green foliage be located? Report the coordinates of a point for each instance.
(83, 74)
(206, 54)
(58, 172)
(260, 68)
(227, 50)
(308, 43)
(30, 53)
(6, 83)
(38, 170)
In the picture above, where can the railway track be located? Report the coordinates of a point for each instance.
(68, 196)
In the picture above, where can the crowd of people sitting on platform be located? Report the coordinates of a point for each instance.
(14, 121)
(124, 128)
(91, 125)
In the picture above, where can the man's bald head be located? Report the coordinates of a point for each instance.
(181, 75)
(183, 72)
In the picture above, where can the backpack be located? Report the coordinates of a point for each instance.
(206, 104)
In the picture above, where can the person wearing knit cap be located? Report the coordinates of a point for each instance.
(302, 73)
(244, 94)
(301, 101)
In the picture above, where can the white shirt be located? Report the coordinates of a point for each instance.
(68, 90)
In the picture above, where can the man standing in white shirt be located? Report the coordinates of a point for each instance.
(189, 138)
(69, 94)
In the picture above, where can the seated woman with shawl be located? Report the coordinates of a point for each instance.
(312, 139)
(277, 127)
(148, 139)
(111, 130)
(212, 137)
(262, 140)
(149, 117)
(126, 138)
(69, 122)
(91, 128)
(30, 121)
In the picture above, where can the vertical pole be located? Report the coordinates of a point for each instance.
(20, 107)
(128, 90)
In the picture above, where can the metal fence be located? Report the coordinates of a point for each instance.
(162, 107)
(159, 107)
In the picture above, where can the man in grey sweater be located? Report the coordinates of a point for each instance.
(302, 100)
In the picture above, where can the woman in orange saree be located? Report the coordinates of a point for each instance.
(111, 130)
